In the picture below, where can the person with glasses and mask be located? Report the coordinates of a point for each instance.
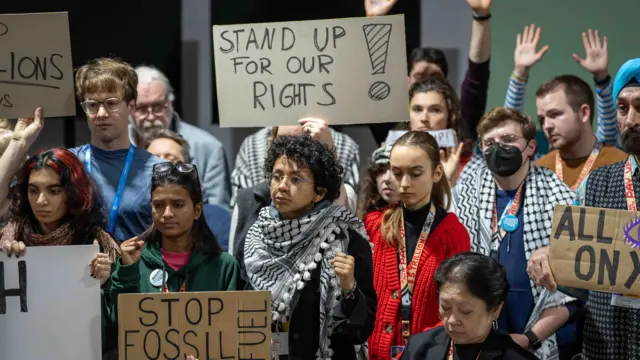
(106, 89)
(507, 203)
(154, 110)
(178, 253)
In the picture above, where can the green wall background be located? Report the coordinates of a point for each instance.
(562, 23)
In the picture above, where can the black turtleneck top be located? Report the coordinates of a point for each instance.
(413, 223)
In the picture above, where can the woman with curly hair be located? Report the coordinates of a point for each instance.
(410, 239)
(311, 254)
(54, 202)
(376, 189)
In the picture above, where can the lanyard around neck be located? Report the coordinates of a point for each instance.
(408, 270)
(511, 209)
(586, 169)
(115, 207)
(629, 191)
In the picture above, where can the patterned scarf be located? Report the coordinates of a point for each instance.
(280, 255)
(61, 236)
(474, 196)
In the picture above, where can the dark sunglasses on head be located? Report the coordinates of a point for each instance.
(167, 167)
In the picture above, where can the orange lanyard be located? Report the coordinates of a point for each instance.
(183, 287)
(511, 209)
(586, 169)
(408, 271)
(629, 192)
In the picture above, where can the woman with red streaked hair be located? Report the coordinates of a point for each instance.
(54, 202)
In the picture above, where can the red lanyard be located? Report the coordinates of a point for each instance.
(511, 209)
(408, 271)
(586, 169)
(629, 192)
(183, 287)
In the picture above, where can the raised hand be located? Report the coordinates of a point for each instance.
(450, 160)
(525, 55)
(131, 250)
(596, 60)
(378, 7)
(480, 7)
(28, 129)
(344, 265)
(317, 129)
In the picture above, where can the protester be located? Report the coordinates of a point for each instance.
(311, 254)
(170, 146)
(54, 202)
(376, 188)
(248, 170)
(506, 203)
(610, 330)
(106, 89)
(154, 109)
(415, 236)
(595, 62)
(472, 290)
(13, 150)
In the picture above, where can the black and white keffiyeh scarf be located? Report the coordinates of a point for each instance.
(280, 255)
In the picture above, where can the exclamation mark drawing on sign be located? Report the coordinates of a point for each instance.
(378, 36)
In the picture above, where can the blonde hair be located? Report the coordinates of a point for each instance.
(109, 75)
(440, 192)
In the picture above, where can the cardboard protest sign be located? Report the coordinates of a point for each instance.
(344, 71)
(446, 138)
(35, 66)
(596, 249)
(50, 306)
(207, 325)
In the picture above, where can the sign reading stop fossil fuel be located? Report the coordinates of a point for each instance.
(345, 71)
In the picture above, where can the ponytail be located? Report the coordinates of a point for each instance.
(391, 222)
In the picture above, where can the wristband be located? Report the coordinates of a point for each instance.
(602, 82)
(481, 18)
(518, 78)
(350, 294)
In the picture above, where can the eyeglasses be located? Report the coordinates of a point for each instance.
(277, 179)
(156, 109)
(167, 167)
(92, 106)
(505, 139)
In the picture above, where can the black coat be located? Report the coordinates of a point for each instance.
(353, 320)
(434, 345)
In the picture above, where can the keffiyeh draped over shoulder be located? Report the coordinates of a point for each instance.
(281, 254)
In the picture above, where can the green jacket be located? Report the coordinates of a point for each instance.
(202, 273)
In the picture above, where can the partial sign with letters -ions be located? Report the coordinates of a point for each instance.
(35, 65)
(596, 249)
(50, 305)
(344, 71)
(233, 325)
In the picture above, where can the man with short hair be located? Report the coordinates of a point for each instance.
(565, 111)
(154, 109)
(506, 203)
(106, 89)
(611, 330)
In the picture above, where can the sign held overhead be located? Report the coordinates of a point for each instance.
(341, 70)
(35, 66)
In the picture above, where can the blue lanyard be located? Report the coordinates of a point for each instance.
(121, 184)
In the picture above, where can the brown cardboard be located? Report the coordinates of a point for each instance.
(345, 71)
(170, 325)
(596, 249)
(35, 66)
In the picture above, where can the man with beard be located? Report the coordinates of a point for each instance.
(611, 329)
(154, 110)
(506, 204)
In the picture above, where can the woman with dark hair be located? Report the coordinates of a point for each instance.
(55, 202)
(376, 188)
(311, 254)
(410, 239)
(179, 253)
(472, 289)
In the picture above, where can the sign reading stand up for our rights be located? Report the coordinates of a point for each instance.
(341, 70)
(35, 65)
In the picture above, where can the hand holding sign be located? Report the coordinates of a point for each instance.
(131, 250)
(450, 159)
(13, 247)
(540, 271)
(378, 7)
(344, 265)
(100, 266)
(28, 129)
(317, 129)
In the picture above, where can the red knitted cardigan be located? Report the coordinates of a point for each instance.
(447, 239)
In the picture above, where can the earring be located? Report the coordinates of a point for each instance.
(495, 325)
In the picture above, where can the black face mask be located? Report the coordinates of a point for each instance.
(503, 160)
